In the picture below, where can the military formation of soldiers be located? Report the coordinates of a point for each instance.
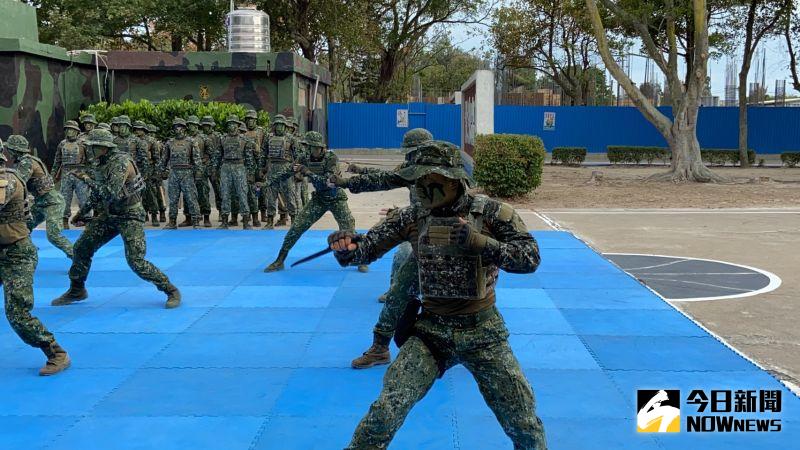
(440, 307)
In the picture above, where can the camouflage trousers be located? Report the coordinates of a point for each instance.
(203, 200)
(214, 181)
(403, 286)
(312, 212)
(283, 189)
(233, 180)
(50, 212)
(17, 264)
(99, 232)
(70, 185)
(483, 350)
(150, 196)
(182, 181)
(301, 192)
(162, 205)
(253, 196)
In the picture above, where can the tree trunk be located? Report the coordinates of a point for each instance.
(385, 76)
(177, 43)
(743, 161)
(687, 165)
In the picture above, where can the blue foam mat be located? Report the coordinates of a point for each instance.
(261, 361)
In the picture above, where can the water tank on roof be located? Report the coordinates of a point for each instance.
(248, 31)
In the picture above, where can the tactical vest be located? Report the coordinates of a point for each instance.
(131, 188)
(126, 144)
(445, 269)
(180, 153)
(71, 156)
(16, 209)
(279, 148)
(232, 149)
(41, 185)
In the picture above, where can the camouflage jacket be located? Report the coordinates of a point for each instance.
(58, 159)
(373, 180)
(319, 172)
(248, 154)
(38, 180)
(13, 209)
(212, 144)
(516, 252)
(194, 163)
(137, 148)
(156, 151)
(115, 185)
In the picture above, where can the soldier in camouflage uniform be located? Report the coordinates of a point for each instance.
(104, 126)
(300, 181)
(461, 242)
(182, 158)
(201, 180)
(69, 158)
(277, 154)
(255, 194)
(18, 259)
(234, 161)
(148, 167)
(48, 204)
(156, 183)
(404, 282)
(319, 165)
(116, 187)
(212, 142)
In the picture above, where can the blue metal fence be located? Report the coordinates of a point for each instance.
(370, 125)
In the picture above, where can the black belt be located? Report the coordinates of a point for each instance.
(460, 320)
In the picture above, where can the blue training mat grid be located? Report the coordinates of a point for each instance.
(262, 361)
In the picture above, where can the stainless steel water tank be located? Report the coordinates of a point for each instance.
(248, 31)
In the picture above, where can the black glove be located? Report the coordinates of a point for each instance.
(470, 238)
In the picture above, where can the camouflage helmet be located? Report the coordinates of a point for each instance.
(251, 114)
(103, 126)
(232, 118)
(101, 137)
(415, 137)
(88, 118)
(178, 122)
(121, 120)
(291, 122)
(314, 139)
(193, 120)
(242, 127)
(207, 120)
(437, 157)
(72, 124)
(152, 128)
(279, 118)
(17, 144)
(139, 125)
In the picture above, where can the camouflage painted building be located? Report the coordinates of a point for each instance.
(42, 86)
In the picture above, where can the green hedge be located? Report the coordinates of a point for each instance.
(571, 156)
(508, 165)
(791, 159)
(722, 156)
(620, 154)
(161, 114)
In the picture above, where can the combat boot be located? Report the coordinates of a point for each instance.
(277, 265)
(246, 222)
(223, 222)
(195, 223)
(263, 215)
(173, 297)
(256, 222)
(57, 359)
(207, 220)
(268, 223)
(363, 268)
(234, 220)
(154, 222)
(281, 220)
(382, 298)
(65, 223)
(187, 221)
(75, 293)
(171, 225)
(376, 355)
(162, 216)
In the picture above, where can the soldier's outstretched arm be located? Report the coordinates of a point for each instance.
(381, 238)
(384, 180)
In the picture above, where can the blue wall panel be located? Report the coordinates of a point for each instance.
(364, 125)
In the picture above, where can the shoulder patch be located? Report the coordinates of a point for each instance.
(505, 212)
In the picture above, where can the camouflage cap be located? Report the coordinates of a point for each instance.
(88, 118)
(207, 120)
(314, 139)
(193, 120)
(103, 126)
(415, 137)
(121, 120)
(279, 118)
(251, 114)
(232, 118)
(152, 128)
(178, 122)
(101, 137)
(72, 124)
(138, 124)
(242, 127)
(18, 144)
(436, 157)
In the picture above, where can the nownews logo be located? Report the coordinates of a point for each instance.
(718, 410)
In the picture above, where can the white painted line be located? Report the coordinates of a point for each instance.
(774, 280)
(670, 212)
(702, 284)
(694, 273)
(550, 222)
(659, 265)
